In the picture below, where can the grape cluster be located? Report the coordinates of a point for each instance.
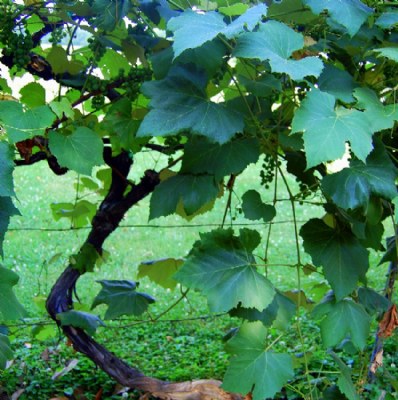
(94, 84)
(57, 35)
(133, 80)
(14, 45)
(97, 102)
(267, 172)
(97, 47)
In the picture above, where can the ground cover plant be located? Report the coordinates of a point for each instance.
(165, 106)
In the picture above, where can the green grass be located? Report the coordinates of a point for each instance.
(171, 349)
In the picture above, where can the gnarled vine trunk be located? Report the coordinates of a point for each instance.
(110, 213)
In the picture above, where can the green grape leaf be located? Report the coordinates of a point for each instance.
(207, 27)
(247, 21)
(234, 9)
(388, 52)
(379, 116)
(338, 83)
(344, 381)
(279, 313)
(373, 301)
(350, 13)
(5, 351)
(222, 266)
(342, 257)
(62, 108)
(7, 210)
(387, 19)
(122, 298)
(178, 104)
(276, 42)
(290, 11)
(201, 156)
(262, 86)
(10, 308)
(327, 129)
(253, 207)
(86, 259)
(6, 169)
(80, 151)
(33, 95)
(253, 366)
(161, 271)
(193, 191)
(109, 13)
(352, 187)
(80, 319)
(80, 213)
(21, 124)
(345, 318)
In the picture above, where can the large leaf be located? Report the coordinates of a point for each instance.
(193, 191)
(201, 156)
(343, 259)
(21, 124)
(80, 151)
(122, 299)
(387, 19)
(349, 13)
(345, 318)
(208, 26)
(161, 271)
(276, 42)
(109, 13)
(327, 129)
(6, 169)
(7, 210)
(10, 308)
(388, 52)
(253, 366)
(5, 351)
(80, 319)
(352, 187)
(253, 207)
(222, 266)
(180, 103)
(33, 95)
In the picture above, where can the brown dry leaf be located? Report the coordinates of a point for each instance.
(378, 361)
(389, 322)
(45, 355)
(98, 396)
(249, 396)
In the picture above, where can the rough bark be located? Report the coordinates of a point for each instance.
(109, 214)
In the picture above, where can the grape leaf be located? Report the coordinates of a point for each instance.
(279, 313)
(379, 116)
(201, 156)
(193, 191)
(7, 209)
(5, 351)
(63, 107)
(80, 151)
(276, 42)
(122, 298)
(109, 13)
(33, 95)
(80, 213)
(22, 124)
(10, 308)
(338, 83)
(373, 301)
(326, 129)
(343, 259)
(80, 319)
(349, 13)
(208, 26)
(388, 52)
(352, 187)
(179, 103)
(253, 366)
(6, 169)
(344, 381)
(160, 271)
(222, 266)
(253, 207)
(262, 86)
(387, 19)
(343, 318)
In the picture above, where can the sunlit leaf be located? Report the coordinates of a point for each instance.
(160, 271)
